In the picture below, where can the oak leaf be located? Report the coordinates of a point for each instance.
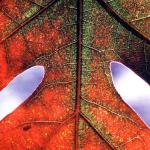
(76, 106)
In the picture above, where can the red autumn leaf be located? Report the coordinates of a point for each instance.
(76, 106)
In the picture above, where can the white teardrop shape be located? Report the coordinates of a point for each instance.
(133, 90)
(19, 89)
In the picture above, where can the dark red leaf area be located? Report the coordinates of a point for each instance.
(76, 106)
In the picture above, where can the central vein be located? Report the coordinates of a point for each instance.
(79, 68)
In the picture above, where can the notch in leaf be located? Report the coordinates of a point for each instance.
(133, 90)
(19, 89)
